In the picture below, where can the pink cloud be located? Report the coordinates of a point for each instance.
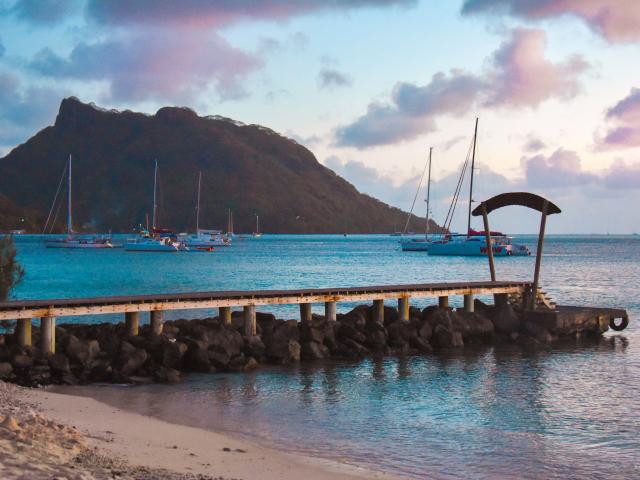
(155, 63)
(615, 20)
(563, 168)
(623, 175)
(524, 77)
(624, 118)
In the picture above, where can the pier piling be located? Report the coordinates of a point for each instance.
(443, 302)
(23, 332)
(305, 312)
(330, 311)
(225, 315)
(378, 311)
(156, 322)
(403, 309)
(250, 320)
(468, 303)
(48, 334)
(132, 323)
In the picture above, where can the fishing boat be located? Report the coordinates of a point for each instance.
(72, 240)
(203, 240)
(473, 243)
(158, 240)
(257, 233)
(419, 244)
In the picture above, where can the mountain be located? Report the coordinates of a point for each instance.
(247, 168)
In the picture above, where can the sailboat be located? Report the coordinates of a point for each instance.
(71, 240)
(158, 240)
(420, 244)
(473, 243)
(203, 239)
(257, 233)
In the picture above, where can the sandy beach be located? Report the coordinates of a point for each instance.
(45, 434)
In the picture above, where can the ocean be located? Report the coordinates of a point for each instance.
(567, 411)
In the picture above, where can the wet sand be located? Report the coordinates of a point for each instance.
(45, 434)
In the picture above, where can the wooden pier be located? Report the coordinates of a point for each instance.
(131, 306)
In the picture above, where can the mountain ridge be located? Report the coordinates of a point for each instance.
(249, 169)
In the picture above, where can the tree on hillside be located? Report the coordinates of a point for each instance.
(11, 273)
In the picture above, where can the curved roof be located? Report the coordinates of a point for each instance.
(524, 199)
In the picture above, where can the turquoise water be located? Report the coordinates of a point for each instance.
(570, 412)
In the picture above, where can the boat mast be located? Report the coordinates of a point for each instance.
(155, 181)
(428, 192)
(198, 204)
(473, 164)
(257, 224)
(69, 219)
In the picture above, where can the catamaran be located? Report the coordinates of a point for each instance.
(419, 244)
(473, 243)
(158, 240)
(203, 239)
(72, 240)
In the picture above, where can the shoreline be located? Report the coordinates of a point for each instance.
(148, 442)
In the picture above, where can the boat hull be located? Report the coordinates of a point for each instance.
(415, 245)
(150, 247)
(78, 244)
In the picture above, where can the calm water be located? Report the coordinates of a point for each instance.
(482, 413)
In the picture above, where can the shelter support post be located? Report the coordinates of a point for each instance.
(378, 311)
(305, 313)
(443, 302)
(23, 332)
(156, 321)
(536, 273)
(487, 233)
(468, 303)
(48, 334)
(225, 315)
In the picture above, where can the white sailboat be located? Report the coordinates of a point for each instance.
(420, 244)
(257, 233)
(203, 239)
(473, 243)
(72, 240)
(152, 241)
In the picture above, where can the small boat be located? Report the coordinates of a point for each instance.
(203, 240)
(257, 233)
(420, 244)
(159, 240)
(72, 240)
(19, 231)
(473, 243)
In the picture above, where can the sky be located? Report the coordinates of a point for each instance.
(368, 86)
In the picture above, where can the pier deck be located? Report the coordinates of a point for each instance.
(14, 310)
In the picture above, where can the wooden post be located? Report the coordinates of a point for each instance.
(23, 332)
(536, 273)
(378, 311)
(330, 311)
(48, 334)
(487, 234)
(305, 313)
(443, 302)
(156, 321)
(468, 303)
(403, 309)
(132, 323)
(225, 315)
(249, 320)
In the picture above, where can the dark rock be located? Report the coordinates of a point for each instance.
(5, 369)
(218, 357)
(347, 330)
(425, 331)
(59, 363)
(254, 346)
(401, 332)
(435, 316)
(314, 351)
(172, 353)
(227, 340)
(445, 338)
(166, 375)
(506, 320)
(421, 344)
(356, 318)
(237, 364)
(283, 346)
(537, 331)
(197, 360)
(81, 351)
(21, 361)
(251, 364)
(132, 360)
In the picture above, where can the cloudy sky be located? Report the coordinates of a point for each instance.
(368, 86)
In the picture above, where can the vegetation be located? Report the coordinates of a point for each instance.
(247, 168)
(11, 273)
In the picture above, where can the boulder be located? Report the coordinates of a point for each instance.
(435, 316)
(197, 360)
(313, 351)
(282, 346)
(218, 357)
(506, 320)
(537, 331)
(254, 346)
(445, 338)
(81, 351)
(400, 333)
(348, 330)
(21, 361)
(59, 363)
(5, 369)
(227, 340)
(166, 375)
(132, 360)
(421, 344)
(172, 353)
(425, 331)
(251, 364)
